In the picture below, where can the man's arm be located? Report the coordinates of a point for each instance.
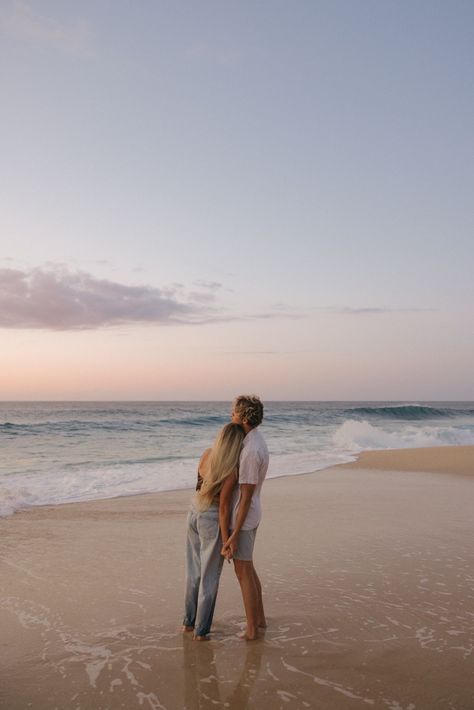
(246, 493)
(225, 501)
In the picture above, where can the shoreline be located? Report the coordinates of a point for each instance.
(454, 460)
(367, 581)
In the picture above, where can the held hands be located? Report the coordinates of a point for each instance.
(230, 547)
(225, 552)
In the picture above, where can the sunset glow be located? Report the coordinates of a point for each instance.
(200, 200)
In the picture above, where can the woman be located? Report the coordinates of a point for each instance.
(208, 528)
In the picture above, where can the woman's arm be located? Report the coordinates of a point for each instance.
(202, 468)
(225, 503)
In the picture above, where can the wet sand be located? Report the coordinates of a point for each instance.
(368, 584)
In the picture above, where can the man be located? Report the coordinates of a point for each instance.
(247, 512)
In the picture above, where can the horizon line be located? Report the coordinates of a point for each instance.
(222, 401)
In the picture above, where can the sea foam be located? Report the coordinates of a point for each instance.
(355, 436)
(55, 453)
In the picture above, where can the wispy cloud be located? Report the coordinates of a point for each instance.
(18, 19)
(211, 285)
(55, 298)
(265, 352)
(290, 314)
(373, 310)
(201, 297)
(206, 291)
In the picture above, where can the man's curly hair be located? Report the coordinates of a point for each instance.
(249, 408)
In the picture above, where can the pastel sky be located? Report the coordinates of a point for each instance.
(206, 198)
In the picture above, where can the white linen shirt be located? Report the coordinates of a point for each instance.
(253, 466)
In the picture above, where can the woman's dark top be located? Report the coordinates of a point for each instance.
(199, 481)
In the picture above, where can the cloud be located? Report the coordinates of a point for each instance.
(201, 297)
(55, 298)
(251, 352)
(21, 21)
(280, 313)
(211, 285)
(372, 310)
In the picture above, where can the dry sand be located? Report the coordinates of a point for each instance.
(368, 584)
(440, 459)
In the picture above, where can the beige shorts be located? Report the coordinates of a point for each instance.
(245, 547)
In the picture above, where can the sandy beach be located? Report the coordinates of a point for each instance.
(440, 459)
(367, 571)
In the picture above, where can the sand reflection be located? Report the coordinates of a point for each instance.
(209, 675)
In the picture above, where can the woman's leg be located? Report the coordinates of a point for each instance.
(211, 568)
(193, 572)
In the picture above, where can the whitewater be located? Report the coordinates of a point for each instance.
(62, 452)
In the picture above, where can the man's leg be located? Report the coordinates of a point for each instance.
(262, 623)
(250, 594)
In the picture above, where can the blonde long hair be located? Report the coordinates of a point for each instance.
(223, 462)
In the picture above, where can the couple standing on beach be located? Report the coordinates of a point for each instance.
(224, 518)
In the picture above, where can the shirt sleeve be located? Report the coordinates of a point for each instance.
(249, 467)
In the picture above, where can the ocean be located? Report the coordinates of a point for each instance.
(62, 452)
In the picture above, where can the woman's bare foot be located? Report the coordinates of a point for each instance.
(201, 638)
(187, 628)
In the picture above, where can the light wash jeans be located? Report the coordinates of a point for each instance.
(203, 568)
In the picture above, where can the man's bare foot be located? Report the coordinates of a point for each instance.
(246, 636)
(201, 638)
(187, 628)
